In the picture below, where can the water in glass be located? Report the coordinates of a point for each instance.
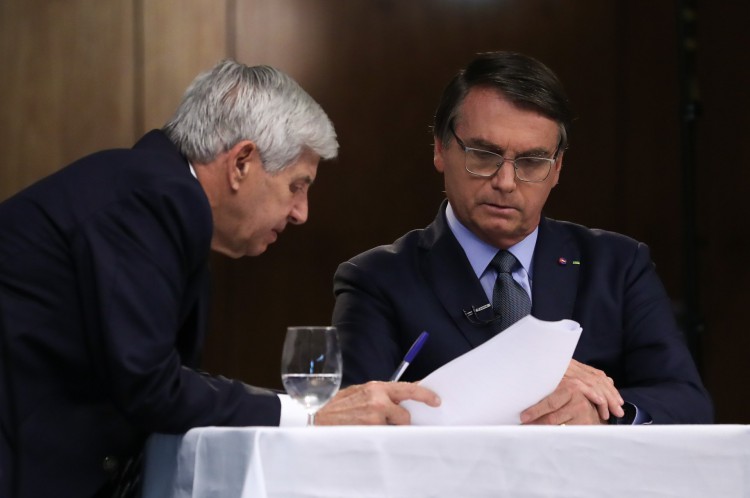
(311, 366)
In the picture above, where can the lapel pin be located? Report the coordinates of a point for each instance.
(576, 262)
(562, 261)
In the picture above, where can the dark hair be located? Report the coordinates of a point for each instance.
(522, 79)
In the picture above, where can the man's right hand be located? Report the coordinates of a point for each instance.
(374, 403)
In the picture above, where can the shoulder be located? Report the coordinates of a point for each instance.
(383, 263)
(595, 238)
(604, 250)
(107, 174)
(149, 189)
(157, 179)
(401, 260)
(409, 247)
(400, 248)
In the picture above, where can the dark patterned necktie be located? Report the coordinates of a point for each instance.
(509, 300)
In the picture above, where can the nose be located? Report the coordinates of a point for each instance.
(298, 214)
(504, 178)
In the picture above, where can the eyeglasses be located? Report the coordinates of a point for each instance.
(485, 163)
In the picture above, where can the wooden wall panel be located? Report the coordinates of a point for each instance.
(67, 84)
(181, 38)
(646, 157)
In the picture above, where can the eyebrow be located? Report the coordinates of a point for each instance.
(478, 143)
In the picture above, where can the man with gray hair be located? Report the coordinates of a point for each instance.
(103, 284)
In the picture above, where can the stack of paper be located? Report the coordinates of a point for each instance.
(493, 383)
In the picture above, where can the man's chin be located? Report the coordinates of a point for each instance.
(496, 225)
(240, 251)
(256, 251)
(502, 235)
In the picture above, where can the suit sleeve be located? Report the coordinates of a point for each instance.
(366, 325)
(138, 259)
(659, 372)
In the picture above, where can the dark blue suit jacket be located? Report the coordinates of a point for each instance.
(388, 295)
(103, 300)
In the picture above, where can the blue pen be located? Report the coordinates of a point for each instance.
(410, 356)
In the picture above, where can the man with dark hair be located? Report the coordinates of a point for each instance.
(104, 280)
(490, 257)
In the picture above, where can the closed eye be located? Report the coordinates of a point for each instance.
(483, 155)
(300, 186)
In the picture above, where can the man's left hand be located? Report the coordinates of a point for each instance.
(584, 396)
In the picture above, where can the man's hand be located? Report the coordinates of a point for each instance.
(374, 403)
(585, 395)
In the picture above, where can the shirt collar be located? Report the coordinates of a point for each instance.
(192, 170)
(481, 253)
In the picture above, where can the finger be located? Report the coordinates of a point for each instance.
(600, 388)
(602, 411)
(600, 402)
(578, 411)
(606, 386)
(398, 416)
(558, 417)
(549, 404)
(400, 391)
(607, 396)
(614, 400)
(610, 401)
(605, 402)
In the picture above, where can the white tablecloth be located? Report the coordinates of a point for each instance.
(327, 462)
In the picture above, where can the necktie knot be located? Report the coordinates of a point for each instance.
(503, 262)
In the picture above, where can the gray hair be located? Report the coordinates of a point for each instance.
(234, 102)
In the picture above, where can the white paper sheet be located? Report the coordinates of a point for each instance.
(493, 383)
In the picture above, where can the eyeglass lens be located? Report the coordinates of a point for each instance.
(485, 163)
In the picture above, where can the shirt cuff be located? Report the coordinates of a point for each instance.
(642, 417)
(633, 416)
(292, 413)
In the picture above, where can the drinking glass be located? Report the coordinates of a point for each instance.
(311, 366)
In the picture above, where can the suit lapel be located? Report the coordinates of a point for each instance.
(447, 269)
(557, 262)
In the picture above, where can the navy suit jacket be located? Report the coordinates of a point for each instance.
(388, 295)
(103, 301)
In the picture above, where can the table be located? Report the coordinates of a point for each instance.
(517, 461)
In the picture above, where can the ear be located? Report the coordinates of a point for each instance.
(438, 153)
(242, 160)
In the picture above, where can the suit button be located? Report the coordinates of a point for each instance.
(110, 464)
